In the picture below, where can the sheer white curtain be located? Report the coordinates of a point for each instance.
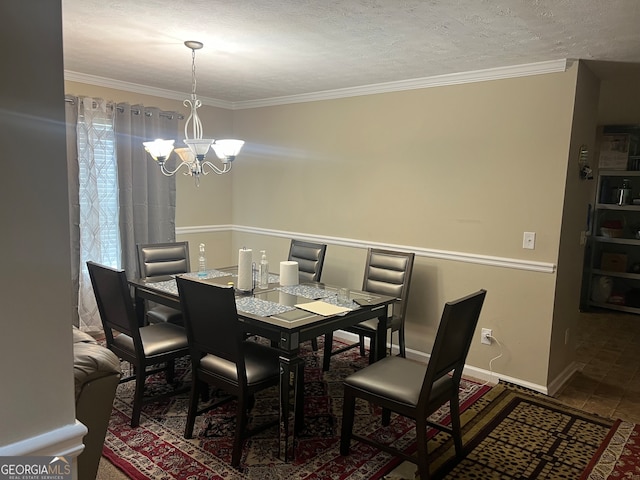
(118, 196)
(98, 199)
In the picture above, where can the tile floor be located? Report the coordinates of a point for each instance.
(608, 383)
(608, 351)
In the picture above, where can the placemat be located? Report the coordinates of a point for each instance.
(263, 308)
(308, 291)
(210, 274)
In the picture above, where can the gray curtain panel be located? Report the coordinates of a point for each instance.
(147, 197)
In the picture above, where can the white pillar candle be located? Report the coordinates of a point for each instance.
(289, 273)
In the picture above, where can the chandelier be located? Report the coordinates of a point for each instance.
(193, 157)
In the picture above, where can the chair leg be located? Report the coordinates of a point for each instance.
(170, 371)
(326, 358)
(138, 396)
(401, 344)
(422, 451)
(205, 394)
(373, 350)
(348, 410)
(362, 350)
(386, 417)
(314, 344)
(241, 424)
(454, 409)
(193, 407)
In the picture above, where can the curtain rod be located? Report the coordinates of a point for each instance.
(134, 111)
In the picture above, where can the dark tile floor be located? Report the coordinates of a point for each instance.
(608, 352)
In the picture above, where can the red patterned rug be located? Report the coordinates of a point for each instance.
(157, 449)
(618, 456)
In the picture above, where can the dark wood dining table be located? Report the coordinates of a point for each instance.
(272, 313)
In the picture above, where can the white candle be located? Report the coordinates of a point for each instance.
(288, 273)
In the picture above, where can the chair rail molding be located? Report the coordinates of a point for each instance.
(488, 260)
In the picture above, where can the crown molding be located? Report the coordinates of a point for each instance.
(552, 66)
(539, 68)
(142, 89)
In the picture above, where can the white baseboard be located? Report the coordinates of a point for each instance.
(469, 371)
(564, 376)
(65, 441)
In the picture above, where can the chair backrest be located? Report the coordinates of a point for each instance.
(159, 259)
(388, 272)
(211, 320)
(310, 258)
(114, 301)
(452, 342)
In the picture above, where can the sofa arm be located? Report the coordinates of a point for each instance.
(97, 374)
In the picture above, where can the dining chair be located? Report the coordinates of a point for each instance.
(386, 272)
(414, 390)
(160, 260)
(310, 258)
(156, 345)
(220, 356)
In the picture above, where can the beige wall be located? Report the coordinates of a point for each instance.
(578, 194)
(619, 101)
(36, 351)
(463, 169)
(455, 173)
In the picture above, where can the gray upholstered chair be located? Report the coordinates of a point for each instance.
(386, 272)
(160, 260)
(148, 346)
(310, 258)
(414, 390)
(221, 356)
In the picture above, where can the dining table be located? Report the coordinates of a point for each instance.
(287, 316)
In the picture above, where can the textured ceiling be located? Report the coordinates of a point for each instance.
(271, 48)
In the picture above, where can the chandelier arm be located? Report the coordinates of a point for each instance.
(167, 172)
(193, 155)
(214, 168)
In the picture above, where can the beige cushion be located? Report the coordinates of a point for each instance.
(91, 360)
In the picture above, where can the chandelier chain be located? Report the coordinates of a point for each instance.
(193, 73)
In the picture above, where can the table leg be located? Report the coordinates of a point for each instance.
(140, 310)
(291, 405)
(381, 336)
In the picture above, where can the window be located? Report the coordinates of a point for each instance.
(98, 176)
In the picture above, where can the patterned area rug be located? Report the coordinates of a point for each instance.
(158, 450)
(514, 433)
(618, 456)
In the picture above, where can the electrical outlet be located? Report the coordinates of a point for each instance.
(486, 336)
(529, 240)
